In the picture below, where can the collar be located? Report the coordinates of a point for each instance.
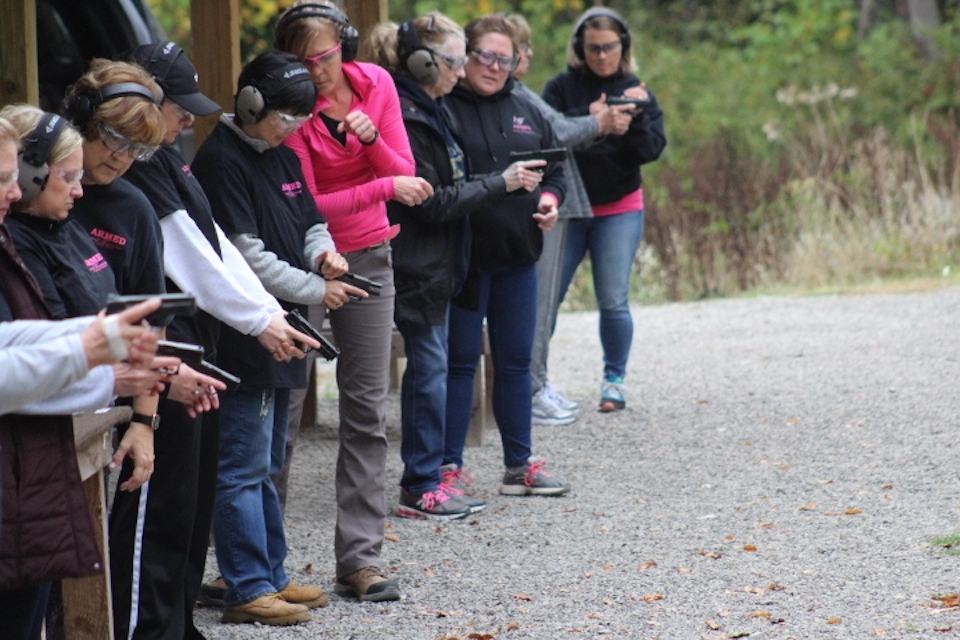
(36, 222)
(256, 144)
(363, 80)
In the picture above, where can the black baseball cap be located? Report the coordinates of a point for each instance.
(176, 75)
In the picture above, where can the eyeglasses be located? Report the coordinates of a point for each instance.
(526, 46)
(118, 143)
(488, 58)
(182, 114)
(454, 62)
(289, 122)
(9, 178)
(597, 49)
(69, 178)
(325, 57)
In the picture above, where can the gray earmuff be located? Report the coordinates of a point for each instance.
(37, 147)
(253, 100)
(420, 62)
(349, 36)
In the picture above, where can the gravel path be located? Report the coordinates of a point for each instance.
(779, 472)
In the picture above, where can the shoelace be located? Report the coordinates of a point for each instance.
(453, 478)
(432, 498)
(450, 490)
(535, 469)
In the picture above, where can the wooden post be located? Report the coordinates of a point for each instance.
(364, 14)
(215, 25)
(19, 79)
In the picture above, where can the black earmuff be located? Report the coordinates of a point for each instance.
(419, 61)
(37, 148)
(253, 100)
(599, 13)
(82, 106)
(349, 36)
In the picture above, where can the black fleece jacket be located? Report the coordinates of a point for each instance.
(490, 127)
(610, 168)
(430, 256)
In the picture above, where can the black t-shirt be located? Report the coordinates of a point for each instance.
(73, 275)
(121, 223)
(169, 184)
(263, 194)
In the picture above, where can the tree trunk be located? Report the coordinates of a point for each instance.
(924, 18)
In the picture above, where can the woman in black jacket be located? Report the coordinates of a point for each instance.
(506, 240)
(601, 68)
(426, 57)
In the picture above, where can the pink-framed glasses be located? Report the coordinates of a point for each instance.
(325, 57)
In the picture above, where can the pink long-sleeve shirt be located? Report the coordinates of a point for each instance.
(352, 184)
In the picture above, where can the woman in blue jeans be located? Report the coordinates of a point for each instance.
(507, 239)
(601, 66)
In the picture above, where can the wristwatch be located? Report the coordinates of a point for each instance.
(151, 421)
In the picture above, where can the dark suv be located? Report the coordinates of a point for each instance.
(71, 33)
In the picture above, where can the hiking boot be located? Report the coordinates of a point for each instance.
(212, 593)
(532, 480)
(432, 505)
(368, 585)
(456, 482)
(559, 399)
(268, 609)
(611, 394)
(309, 595)
(545, 412)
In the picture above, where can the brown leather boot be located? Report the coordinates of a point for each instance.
(268, 609)
(309, 595)
(368, 585)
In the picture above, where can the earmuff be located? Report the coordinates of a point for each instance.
(349, 36)
(599, 13)
(419, 61)
(82, 106)
(253, 100)
(37, 147)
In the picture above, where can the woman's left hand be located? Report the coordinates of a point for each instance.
(547, 212)
(359, 124)
(195, 390)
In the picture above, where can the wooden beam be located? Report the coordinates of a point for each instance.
(19, 80)
(364, 14)
(215, 25)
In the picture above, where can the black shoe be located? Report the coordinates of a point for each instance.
(212, 593)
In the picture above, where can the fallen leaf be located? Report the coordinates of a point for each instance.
(441, 614)
(392, 537)
(648, 565)
(712, 554)
(834, 621)
(684, 570)
(951, 600)
(513, 626)
(595, 616)
(755, 590)
(810, 506)
(723, 614)
(712, 625)
(430, 572)
(749, 547)
(825, 481)
(524, 597)
(571, 510)
(608, 566)
(776, 587)
(308, 569)
(943, 629)
(887, 487)
(703, 401)
(794, 419)
(852, 512)
(652, 597)
(766, 525)
(759, 614)
(728, 538)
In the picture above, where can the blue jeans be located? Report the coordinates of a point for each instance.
(612, 242)
(247, 519)
(508, 300)
(423, 405)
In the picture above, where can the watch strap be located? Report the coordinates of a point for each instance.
(151, 421)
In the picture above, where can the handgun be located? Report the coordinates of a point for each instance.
(550, 155)
(637, 103)
(189, 354)
(327, 349)
(368, 285)
(212, 370)
(171, 304)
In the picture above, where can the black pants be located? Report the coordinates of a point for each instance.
(176, 525)
(22, 611)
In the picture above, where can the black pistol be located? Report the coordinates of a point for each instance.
(368, 285)
(224, 376)
(550, 155)
(327, 349)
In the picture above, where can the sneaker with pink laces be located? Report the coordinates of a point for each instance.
(532, 480)
(456, 482)
(432, 505)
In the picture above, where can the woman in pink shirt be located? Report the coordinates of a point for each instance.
(356, 156)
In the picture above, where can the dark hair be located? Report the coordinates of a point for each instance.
(298, 96)
(493, 23)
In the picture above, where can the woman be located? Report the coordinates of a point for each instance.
(356, 157)
(550, 407)
(601, 66)
(507, 239)
(255, 188)
(426, 57)
(199, 259)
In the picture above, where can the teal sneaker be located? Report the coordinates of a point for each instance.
(611, 394)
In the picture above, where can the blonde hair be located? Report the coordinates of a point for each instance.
(133, 117)
(433, 30)
(8, 133)
(24, 119)
(520, 27)
(298, 34)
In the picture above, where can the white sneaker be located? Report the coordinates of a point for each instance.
(547, 413)
(562, 401)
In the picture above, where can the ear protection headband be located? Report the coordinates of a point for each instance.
(349, 36)
(37, 147)
(82, 106)
(598, 13)
(418, 59)
(253, 100)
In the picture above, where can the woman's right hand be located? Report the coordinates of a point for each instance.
(280, 339)
(523, 175)
(338, 294)
(411, 190)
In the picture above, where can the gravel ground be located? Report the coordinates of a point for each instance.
(779, 472)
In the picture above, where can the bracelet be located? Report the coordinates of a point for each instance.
(111, 329)
(376, 136)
